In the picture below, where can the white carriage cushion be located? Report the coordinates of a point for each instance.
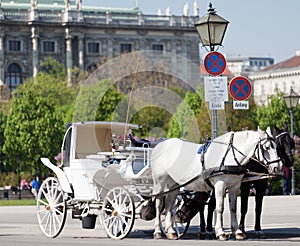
(126, 169)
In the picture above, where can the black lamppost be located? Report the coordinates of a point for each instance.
(291, 102)
(211, 29)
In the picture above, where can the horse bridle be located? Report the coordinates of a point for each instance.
(259, 145)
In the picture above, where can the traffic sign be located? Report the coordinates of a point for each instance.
(215, 63)
(240, 88)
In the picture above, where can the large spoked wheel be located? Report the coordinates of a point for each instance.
(51, 207)
(179, 227)
(118, 213)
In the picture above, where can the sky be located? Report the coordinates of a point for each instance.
(267, 28)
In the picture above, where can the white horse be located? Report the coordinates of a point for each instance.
(177, 163)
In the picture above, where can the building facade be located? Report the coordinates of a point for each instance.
(245, 65)
(279, 77)
(80, 36)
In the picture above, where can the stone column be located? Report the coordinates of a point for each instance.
(35, 51)
(80, 52)
(1, 59)
(110, 48)
(69, 62)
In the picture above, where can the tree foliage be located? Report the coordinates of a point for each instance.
(32, 131)
(35, 124)
(274, 114)
(182, 123)
(96, 102)
(238, 120)
(154, 121)
(3, 166)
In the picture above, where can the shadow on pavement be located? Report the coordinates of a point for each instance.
(271, 234)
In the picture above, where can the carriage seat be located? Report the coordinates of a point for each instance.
(127, 171)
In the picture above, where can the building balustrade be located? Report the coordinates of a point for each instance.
(97, 17)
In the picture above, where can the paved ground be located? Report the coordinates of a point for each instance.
(280, 221)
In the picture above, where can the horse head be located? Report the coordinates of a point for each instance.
(285, 146)
(266, 152)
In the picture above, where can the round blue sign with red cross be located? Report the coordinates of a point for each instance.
(215, 63)
(240, 88)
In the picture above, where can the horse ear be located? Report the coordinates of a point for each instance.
(268, 131)
(286, 128)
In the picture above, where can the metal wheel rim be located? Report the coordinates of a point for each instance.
(180, 228)
(118, 213)
(51, 207)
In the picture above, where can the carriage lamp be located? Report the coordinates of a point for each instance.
(291, 102)
(211, 28)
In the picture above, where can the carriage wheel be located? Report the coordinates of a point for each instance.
(118, 213)
(51, 207)
(179, 227)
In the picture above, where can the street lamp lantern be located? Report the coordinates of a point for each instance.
(291, 102)
(211, 28)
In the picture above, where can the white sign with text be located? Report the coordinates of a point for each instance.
(216, 89)
(240, 104)
(216, 105)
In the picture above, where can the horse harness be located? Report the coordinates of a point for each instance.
(207, 173)
(239, 169)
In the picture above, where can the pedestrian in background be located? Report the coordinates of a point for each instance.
(287, 180)
(35, 186)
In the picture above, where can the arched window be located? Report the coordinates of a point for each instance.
(13, 76)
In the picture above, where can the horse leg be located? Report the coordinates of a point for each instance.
(220, 192)
(211, 206)
(232, 193)
(245, 189)
(202, 198)
(169, 205)
(158, 207)
(260, 186)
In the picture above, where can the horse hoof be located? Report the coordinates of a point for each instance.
(157, 235)
(260, 235)
(201, 235)
(172, 236)
(240, 236)
(210, 236)
(223, 237)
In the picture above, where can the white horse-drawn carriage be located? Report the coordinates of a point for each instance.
(102, 174)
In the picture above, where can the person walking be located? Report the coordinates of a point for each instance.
(287, 176)
(35, 186)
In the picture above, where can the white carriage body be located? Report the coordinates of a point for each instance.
(90, 163)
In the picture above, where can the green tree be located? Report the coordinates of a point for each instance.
(241, 119)
(53, 68)
(36, 121)
(182, 124)
(274, 114)
(3, 118)
(33, 130)
(96, 102)
(154, 121)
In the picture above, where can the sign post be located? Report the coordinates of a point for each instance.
(216, 89)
